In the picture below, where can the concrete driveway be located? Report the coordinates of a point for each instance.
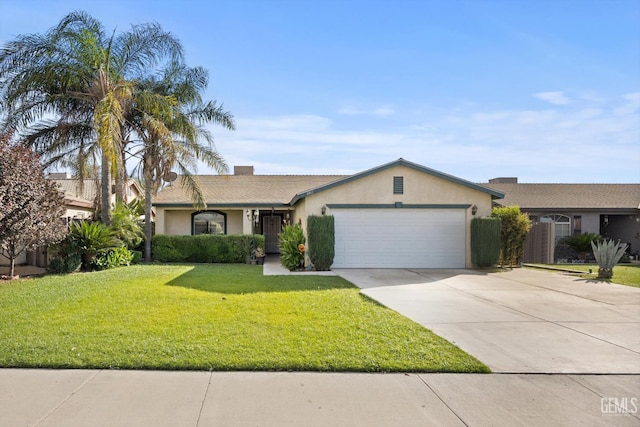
(520, 321)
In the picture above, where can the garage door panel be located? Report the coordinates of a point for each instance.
(400, 238)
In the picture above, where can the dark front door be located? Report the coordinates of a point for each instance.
(271, 227)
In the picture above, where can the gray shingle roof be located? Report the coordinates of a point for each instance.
(569, 196)
(72, 188)
(221, 190)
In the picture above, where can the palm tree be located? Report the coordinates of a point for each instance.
(170, 121)
(69, 90)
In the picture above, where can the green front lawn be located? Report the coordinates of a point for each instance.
(623, 274)
(219, 317)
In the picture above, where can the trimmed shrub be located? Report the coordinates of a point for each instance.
(291, 244)
(515, 227)
(66, 264)
(485, 241)
(119, 257)
(137, 257)
(321, 234)
(204, 248)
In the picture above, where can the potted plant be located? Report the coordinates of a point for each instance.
(260, 256)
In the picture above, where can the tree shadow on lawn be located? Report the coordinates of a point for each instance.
(245, 279)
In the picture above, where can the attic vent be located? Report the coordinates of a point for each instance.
(398, 185)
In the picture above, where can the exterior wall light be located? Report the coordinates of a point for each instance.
(253, 215)
(324, 209)
(474, 210)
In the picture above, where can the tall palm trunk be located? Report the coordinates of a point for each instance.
(121, 175)
(105, 213)
(148, 191)
(120, 190)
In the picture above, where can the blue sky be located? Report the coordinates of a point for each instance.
(548, 91)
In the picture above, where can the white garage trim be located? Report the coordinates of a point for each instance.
(427, 236)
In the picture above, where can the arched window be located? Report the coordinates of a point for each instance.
(208, 222)
(562, 224)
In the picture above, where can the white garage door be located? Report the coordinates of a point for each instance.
(399, 238)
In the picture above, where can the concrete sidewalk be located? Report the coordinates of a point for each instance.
(155, 398)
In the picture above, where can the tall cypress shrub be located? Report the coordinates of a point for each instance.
(485, 241)
(515, 227)
(321, 234)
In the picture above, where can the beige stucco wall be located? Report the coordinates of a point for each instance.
(234, 221)
(78, 213)
(419, 188)
(177, 221)
(4, 261)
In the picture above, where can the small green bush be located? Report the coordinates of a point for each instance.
(485, 241)
(321, 233)
(91, 239)
(137, 257)
(112, 258)
(581, 243)
(86, 242)
(125, 223)
(204, 248)
(292, 248)
(65, 264)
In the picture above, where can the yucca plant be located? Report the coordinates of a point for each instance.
(607, 254)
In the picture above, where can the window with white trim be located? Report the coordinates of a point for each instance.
(562, 224)
(209, 222)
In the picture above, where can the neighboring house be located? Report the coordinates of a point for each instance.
(611, 210)
(89, 191)
(399, 214)
(80, 205)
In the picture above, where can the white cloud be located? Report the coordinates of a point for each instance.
(378, 112)
(556, 98)
(586, 142)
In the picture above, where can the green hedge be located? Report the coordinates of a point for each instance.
(485, 241)
(220, 248)
(321, 233)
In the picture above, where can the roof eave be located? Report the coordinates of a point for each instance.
(223, 205)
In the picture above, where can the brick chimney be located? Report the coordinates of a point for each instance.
(504, 180)
(243, 170)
